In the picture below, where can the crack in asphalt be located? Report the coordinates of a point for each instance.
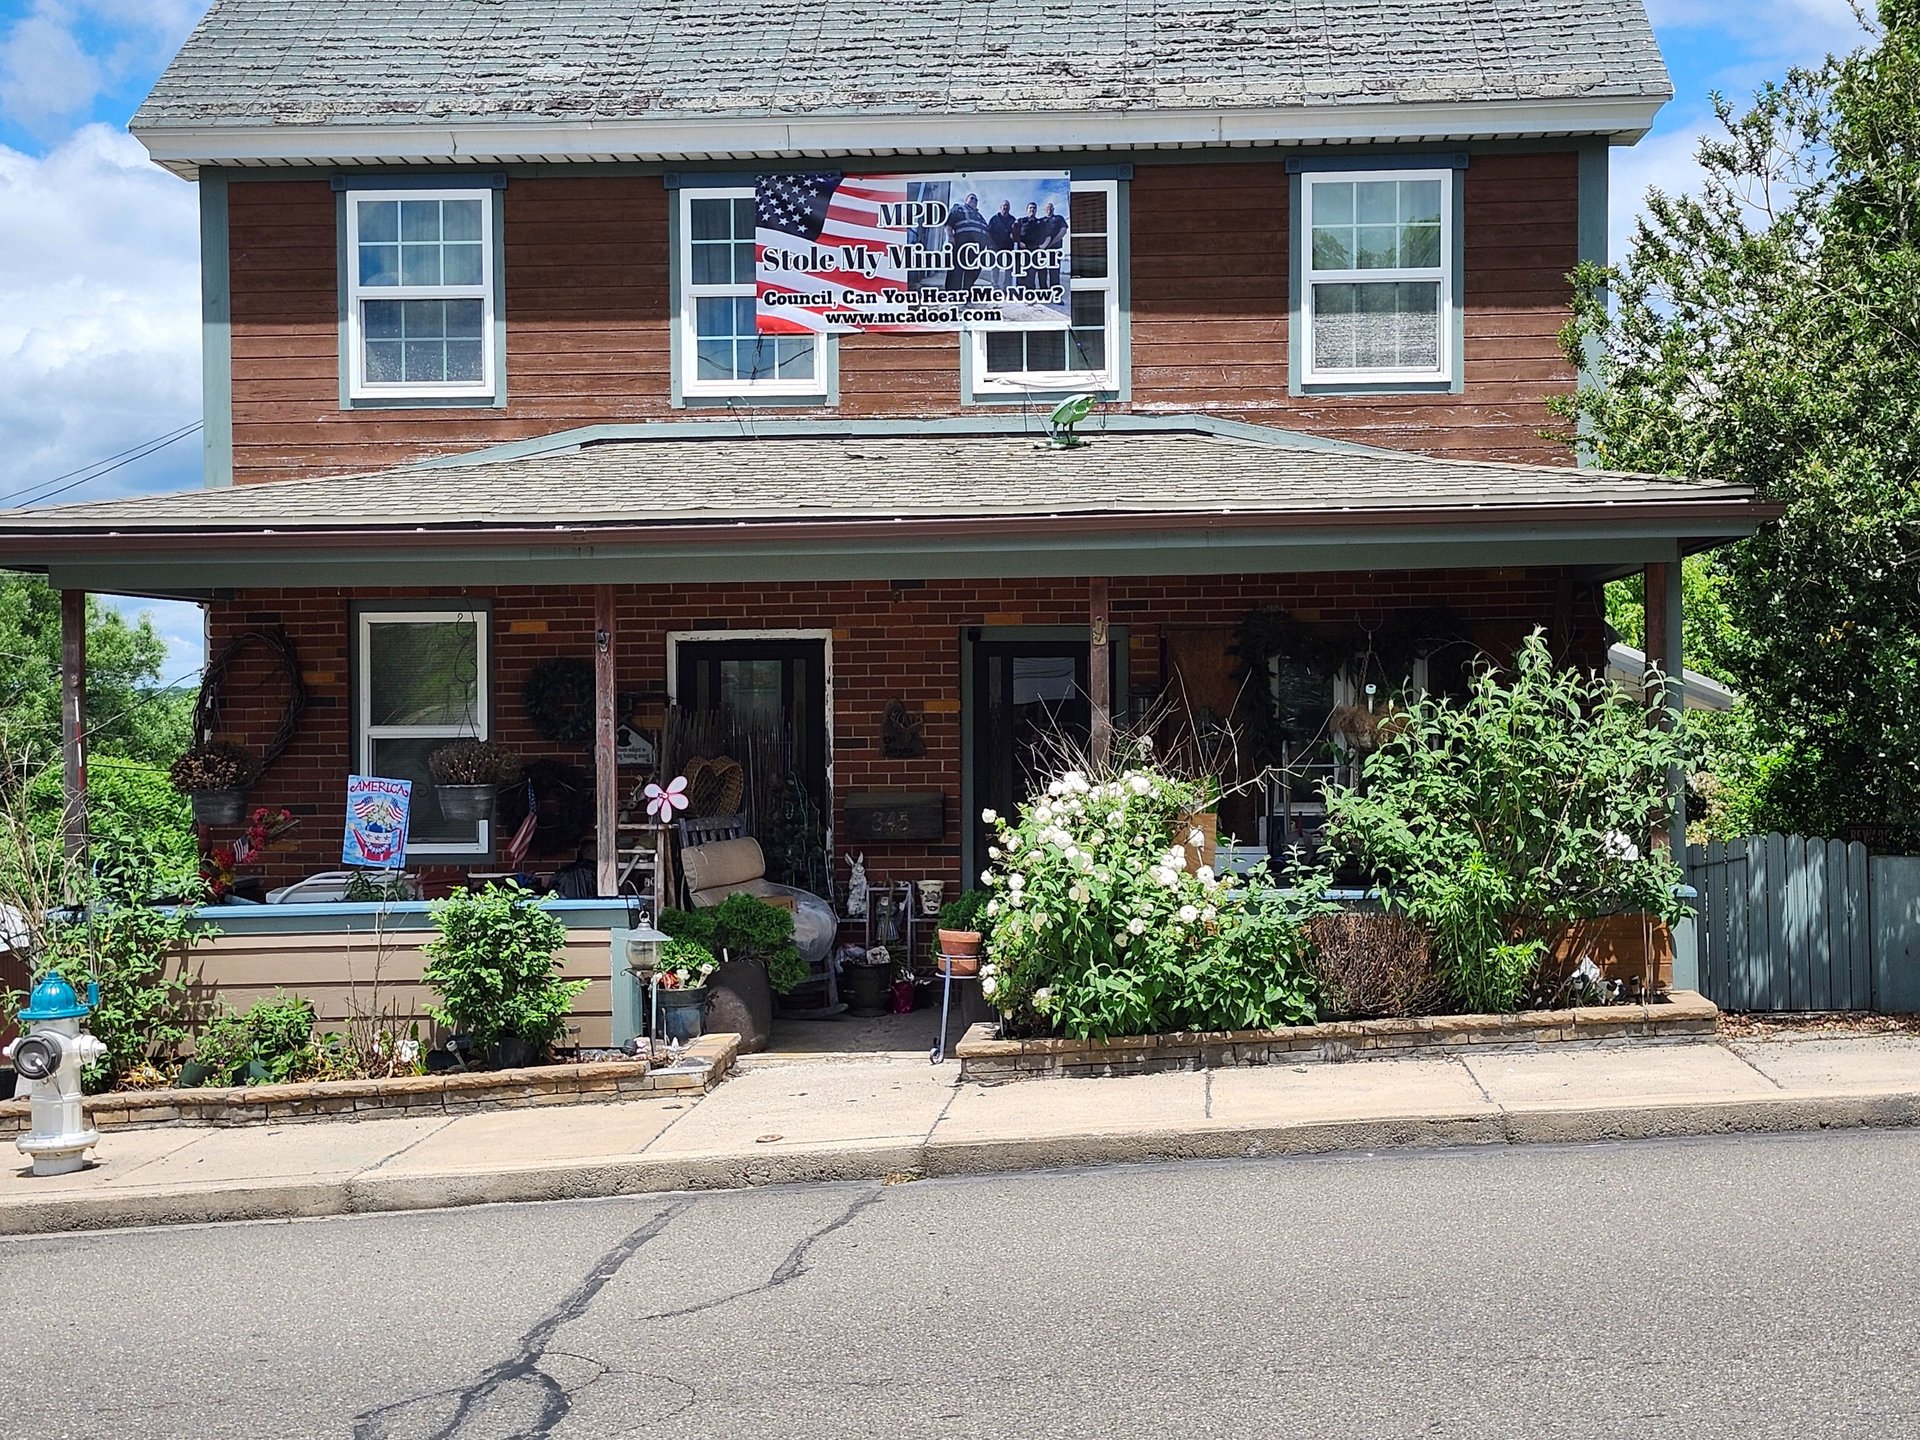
(522, 1367)
(553, 1399)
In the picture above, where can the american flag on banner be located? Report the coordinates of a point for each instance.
(836, 213)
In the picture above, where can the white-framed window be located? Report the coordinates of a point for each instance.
(421, 679)
(420, 294)
(1085, 357)
(721, 351)
(1377, 294)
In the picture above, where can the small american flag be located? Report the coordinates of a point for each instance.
(834, 212)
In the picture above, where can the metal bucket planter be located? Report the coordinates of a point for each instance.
(465, 802)
(219, 807)
(683, 1013)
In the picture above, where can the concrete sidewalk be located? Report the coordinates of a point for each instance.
(887, 1116)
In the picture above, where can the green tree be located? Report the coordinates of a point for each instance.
(1767, 330)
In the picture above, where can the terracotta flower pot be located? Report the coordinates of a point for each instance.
(1208, 824)
(960, 951)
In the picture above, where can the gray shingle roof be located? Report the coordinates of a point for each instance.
(809, 471)
(395, 62)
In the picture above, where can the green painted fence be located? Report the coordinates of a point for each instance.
(1791, 922)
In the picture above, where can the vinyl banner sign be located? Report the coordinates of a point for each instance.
(983, 251)
(377, 814)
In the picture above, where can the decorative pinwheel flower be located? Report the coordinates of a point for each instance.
(662, 802)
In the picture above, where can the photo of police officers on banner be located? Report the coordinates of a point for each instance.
(1015, 228)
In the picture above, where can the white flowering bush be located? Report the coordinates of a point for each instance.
(1101, 923)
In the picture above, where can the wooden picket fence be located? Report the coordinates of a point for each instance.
(1792, 922)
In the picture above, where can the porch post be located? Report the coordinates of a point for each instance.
(1663, 627)
(606, 777)
(73, 722)
(1099, 670)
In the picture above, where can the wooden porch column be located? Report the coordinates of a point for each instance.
(606, 774)
(1663, 626)
(73, 722)
(1099, 670)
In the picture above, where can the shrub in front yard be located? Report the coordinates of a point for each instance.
(1495, 822)
(494, 961)
(1102, 924)
(269, 1043)
(744, 928)
(1366, 964)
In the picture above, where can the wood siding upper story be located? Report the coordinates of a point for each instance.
(588, 309)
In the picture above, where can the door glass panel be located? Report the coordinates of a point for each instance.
(751, 690)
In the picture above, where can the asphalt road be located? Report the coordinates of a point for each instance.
(1725, 1287)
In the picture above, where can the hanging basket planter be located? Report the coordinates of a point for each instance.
(466, 802)
(218, 807)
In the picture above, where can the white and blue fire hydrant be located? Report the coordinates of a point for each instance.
(50, 1056)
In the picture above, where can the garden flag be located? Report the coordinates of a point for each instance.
(377, 815)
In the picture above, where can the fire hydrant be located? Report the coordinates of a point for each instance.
(51, 1055)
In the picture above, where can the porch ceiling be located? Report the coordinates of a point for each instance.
(842, 500)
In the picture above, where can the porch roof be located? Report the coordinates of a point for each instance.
(724, 499)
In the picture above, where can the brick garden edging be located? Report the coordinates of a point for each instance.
(1682, 1016)
(410, 1095)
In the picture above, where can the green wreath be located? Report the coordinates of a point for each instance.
(558, 698)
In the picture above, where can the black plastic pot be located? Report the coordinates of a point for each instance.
(867, 988)
(194, 1074)
(512, 1052)
(219, 807)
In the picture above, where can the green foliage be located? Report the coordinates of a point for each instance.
(1495, 821)
(744, 928)
(685, 964)
(138, 953)
(1709, 638)
(493, 961)
(1767, 330)
(1099, 928)
(270, 1043)
(1740, 782)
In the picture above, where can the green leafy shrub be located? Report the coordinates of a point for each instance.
(1099, 928)
(744, 928)
(493, 961)
(138, 953)
(1495, 822)
(269, 1043)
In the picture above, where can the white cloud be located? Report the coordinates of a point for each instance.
(60, 56)
(99, 314)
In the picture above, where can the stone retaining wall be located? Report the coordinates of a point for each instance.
(702, 1064)
(1682, 1016)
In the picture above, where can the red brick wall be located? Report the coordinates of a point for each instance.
(887, 644)
(588, 308)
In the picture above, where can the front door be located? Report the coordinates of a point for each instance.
(1031, 715)
(772, 696)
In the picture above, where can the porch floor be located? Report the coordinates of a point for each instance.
(891, 1035)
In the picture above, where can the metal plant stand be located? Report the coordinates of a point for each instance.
(947, 977)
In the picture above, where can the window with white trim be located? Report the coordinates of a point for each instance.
(1085, 357)
(421, 681)
(420, 294)
(722, 351)
(1378, 261)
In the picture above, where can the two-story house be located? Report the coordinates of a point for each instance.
(493, 378)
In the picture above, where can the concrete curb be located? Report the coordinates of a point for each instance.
(372, 1192)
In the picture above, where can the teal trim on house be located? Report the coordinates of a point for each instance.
(216, 333)
(364, 917)
(1595, 159)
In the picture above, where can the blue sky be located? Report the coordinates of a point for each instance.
(99, 301)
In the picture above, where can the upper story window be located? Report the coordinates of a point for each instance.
(722, 352)
(420, 679)
(1377, 289)
(420, 294)
(1085, 357)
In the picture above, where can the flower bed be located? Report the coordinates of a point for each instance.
(1682, 1016)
